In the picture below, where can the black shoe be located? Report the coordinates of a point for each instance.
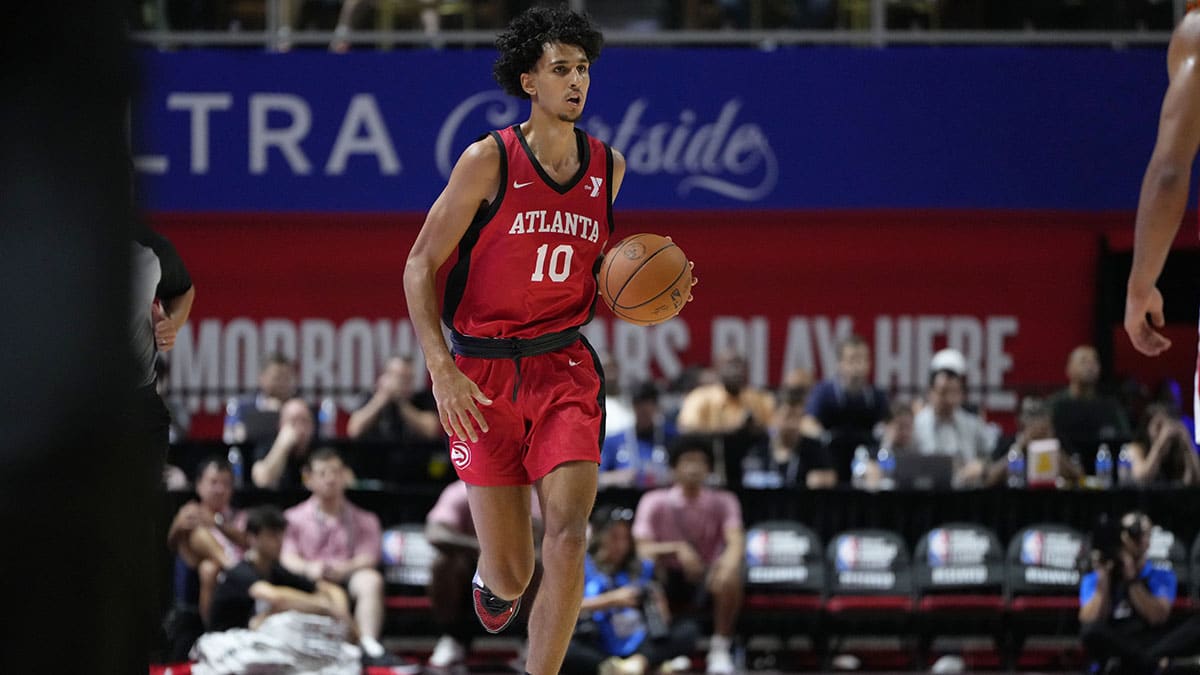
(494, 613)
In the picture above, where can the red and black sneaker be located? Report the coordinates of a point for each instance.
(494, 613)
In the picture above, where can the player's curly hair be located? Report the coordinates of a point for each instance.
(521, 45)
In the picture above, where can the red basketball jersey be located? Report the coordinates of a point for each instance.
(527, 265)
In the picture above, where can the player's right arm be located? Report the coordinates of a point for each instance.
(1165, 188)
(474, 181)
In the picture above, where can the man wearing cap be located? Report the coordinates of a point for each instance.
(944, 427)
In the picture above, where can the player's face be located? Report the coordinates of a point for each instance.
(559, 81)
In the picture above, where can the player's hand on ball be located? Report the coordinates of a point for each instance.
(692, 268)
(458, 400)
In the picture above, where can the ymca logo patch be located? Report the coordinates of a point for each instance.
(460, 454)
(596, 183)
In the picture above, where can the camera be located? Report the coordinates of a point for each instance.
(1106, 539)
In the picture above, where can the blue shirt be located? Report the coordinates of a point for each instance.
(647, 454)
(621, 630)
(1160, 581)
(840, 411)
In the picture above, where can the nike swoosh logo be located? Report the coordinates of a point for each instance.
(572, 362)
(518, 186)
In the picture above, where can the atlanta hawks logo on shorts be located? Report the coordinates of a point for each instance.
(460, 454)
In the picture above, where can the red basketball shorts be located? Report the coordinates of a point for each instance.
(557, 416)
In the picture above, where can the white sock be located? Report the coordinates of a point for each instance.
(371, 646)
(719, 643)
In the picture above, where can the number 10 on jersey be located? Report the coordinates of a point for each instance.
(560, 263)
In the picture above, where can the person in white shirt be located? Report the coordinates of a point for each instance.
(944, 427)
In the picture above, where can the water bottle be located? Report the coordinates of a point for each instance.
(1016, 467)
(1104, 467)
(327, 418)
(887, 467)
(235, 430)
(1125, 466)
(858, 467)
(238, 467)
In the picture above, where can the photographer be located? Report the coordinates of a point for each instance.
(1125, 602)
(625, 626)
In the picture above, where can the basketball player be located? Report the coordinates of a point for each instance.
(530, 210)
(1165, 189)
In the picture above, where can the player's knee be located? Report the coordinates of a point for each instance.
(510, 582)
(566, 538)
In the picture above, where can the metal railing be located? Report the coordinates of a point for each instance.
(277, 37)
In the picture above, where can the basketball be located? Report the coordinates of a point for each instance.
(645, 279)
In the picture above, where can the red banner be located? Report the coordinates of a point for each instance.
(1013, 291)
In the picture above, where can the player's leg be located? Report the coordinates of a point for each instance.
(567, 494)
(503, 525)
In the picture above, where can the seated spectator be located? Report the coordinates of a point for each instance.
(625, 624)
(695, 537)
(257, 415)
(734, 413)
(638, 457)
(330, 539)
(396, 411)
(278, 466)
(789, 459)
(897, 439)
(844, 410)
(944, 427)
(1164, 455)
(208, 536)
(259, 586)
(617, 410)
(450, 529)
(399, 417)
(1034, 423)
(1083, 418)
(1125, 603)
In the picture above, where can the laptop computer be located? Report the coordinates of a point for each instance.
(924, 472)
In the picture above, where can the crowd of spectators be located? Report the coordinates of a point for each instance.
(680, 553)
(435, 16)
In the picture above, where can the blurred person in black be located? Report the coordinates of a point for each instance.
(259, 585)
(398, 421)
(280, 465)
(1125, 602)
(1083, 418)
(844, 410)
(789, 459)
(257, 413)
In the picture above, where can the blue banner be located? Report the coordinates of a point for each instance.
(792, 128)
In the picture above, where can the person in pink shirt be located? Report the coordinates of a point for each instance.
(329, 538)
(694, 534)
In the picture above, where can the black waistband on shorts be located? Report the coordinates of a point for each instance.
(511, 348)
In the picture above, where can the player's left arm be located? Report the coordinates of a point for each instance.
(1164, 190)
